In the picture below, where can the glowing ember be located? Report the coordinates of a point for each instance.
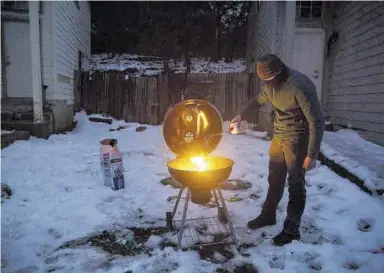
(199, 162)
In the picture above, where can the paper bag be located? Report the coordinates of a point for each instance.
(111, 161)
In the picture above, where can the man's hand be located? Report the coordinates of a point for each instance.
(309, 164)
(237, 120)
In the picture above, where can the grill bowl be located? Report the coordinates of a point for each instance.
(219, 169)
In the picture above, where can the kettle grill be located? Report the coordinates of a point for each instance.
(192, 130)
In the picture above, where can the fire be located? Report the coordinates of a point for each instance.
(199, 162)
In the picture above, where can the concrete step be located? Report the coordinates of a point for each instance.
(9, 138)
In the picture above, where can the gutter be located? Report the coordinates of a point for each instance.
(34, 33)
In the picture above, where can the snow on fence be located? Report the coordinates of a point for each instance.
(146, 99)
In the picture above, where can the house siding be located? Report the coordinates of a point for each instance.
(251, 37)
(355, 95)
(263, 39)
(280, 29)
(264, 27)
(73, 34)
(47, 48)
(260, 26)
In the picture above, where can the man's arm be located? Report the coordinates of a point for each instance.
(311, 108)
(258, 100)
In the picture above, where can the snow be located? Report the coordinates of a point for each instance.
(362, 158)
(154, 241)
(149, 66)
(6, 132)
(58, 196)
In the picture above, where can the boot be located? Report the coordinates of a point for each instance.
(261, 221)
(284, 238)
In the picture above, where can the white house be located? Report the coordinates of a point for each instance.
(339, 45)
(43, 43)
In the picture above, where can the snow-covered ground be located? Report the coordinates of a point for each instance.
(362, 158)
(58, 196)
(149, 66)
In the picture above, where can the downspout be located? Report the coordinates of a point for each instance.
(34, 34)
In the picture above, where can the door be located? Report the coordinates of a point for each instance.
(308, 55)
(18, 59)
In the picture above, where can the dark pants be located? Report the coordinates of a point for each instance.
(287, 157)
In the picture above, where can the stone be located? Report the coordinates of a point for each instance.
(141, 128)
(6, 191)
(245, 268)
(171, 182)
(105, 120)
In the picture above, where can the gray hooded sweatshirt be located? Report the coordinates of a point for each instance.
(297, 110)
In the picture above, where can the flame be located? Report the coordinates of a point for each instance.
(199, 162)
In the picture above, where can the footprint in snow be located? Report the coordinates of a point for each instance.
(331, 239)
(365, 225)
(341, 211)
(109, 199)
(277, 261)
(311, 233)
(315, 265)
(317, 207)
(351, 265)
(54, 233)
(28, 269)
(325, 189)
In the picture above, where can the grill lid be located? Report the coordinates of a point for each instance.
(193, 127)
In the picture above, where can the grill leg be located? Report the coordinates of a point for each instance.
(216, 199)
(183, 219)
(177, 202)
(220, 212)
(227, 215)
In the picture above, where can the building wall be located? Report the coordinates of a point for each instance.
(251, 36)
(47, 47)
(279, 51)
(71, 34)
(355, 84)
(266, 32)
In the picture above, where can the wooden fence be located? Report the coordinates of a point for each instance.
(146, 99)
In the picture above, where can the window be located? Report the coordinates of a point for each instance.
(309, 14)
(20, 6)
(309, 9)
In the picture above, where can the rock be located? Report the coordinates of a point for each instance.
(105, 120)
(6, 191)
(222, 270)
(118, 128)
(245, 268)
(235, 184)
(171, 182)
(7, 139)
(141, 128)
(234, 199)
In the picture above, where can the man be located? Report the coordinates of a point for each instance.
(298, 132)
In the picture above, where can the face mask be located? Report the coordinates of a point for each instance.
(277, 81)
